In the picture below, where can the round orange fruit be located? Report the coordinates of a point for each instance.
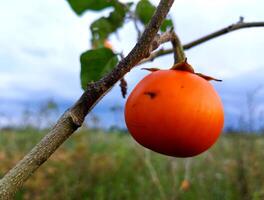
(176, 113)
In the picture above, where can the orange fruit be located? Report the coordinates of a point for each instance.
(176, 113)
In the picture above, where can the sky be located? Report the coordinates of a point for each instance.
(41, 42)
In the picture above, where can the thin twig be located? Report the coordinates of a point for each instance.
(134, 19)
(135, 22)
(226, 30)
(137, 28)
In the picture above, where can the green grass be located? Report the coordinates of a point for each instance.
(99, 166)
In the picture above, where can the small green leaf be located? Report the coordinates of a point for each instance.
(145, 10)
(95, 63)
(104, 26)
(116, 17)
(80, 6)
(167, 23)
(100, 29)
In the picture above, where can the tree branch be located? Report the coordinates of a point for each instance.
(223, 31)
(74, 117)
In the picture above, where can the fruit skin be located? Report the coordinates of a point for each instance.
(176, 113)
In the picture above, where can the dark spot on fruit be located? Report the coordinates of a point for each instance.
(182, 86)
(152, 95)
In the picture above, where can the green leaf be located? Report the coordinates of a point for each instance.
(104, 26)
(145, 10)
(80, 6)
(167, 23)
(95, 63)
(100, 29)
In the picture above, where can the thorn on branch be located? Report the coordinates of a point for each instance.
(241, 20)
(123, 86)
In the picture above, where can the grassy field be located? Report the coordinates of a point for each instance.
(99, 166)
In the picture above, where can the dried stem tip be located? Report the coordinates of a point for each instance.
(183, 66)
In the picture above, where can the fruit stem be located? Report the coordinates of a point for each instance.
(183, 66)
(179, 55)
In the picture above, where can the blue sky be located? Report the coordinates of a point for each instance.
(41, 42)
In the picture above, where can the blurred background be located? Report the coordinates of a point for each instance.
(41, 42)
